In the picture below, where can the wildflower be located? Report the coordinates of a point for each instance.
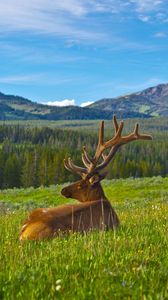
(58, 281)
(58, 284)
(58, 287)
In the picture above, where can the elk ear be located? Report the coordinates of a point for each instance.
(94, 179)
(97, 178)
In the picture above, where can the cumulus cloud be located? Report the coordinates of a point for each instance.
(86, 103)
(65, 102)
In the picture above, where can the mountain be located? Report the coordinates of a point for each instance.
(148, 103)
(151, 102)
(19, 108)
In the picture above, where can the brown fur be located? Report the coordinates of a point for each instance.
(95, 214)
(69, 218)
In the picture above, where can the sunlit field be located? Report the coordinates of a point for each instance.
(130, 263)
(156, 126)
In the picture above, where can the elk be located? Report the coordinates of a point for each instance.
(94, 212)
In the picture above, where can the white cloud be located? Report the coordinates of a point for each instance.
(20, 79)
(65, 102)
(161, 16)
(86, 103)
(38, 79)
(147, 5)
(150, 10)
(59, 18)
(144, 18)
(69, 18)
(160, 34)
(75, 21)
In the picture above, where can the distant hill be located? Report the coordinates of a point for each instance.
(148, 103)
(19, 108)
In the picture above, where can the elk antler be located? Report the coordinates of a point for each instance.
(91, 165)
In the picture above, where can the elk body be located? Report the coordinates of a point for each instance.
(94, 210)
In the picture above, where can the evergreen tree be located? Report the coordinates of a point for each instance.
(12, 172)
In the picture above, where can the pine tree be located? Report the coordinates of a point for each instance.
(12, 172)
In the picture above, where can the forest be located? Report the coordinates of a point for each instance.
(33, 155)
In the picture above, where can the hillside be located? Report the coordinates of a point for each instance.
(148, 103)
(19, 108)
(151, 102)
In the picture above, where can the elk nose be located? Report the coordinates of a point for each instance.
(66, 193)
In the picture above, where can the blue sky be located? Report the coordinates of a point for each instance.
(77, 51)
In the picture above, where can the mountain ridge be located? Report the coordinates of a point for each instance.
(150, 102)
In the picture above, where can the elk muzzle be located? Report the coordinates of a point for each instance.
(66, 193)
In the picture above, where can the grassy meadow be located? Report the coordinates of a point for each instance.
(130, 263)
(156, 126)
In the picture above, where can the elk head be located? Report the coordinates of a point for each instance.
(86, 189)
(89, 187)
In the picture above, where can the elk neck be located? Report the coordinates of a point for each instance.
(96, 193)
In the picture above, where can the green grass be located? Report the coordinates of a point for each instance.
(157, 127)
(131, 263)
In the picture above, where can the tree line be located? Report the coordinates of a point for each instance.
(34, 156)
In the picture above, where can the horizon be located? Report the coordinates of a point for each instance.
(77, 52)
(62, 103)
